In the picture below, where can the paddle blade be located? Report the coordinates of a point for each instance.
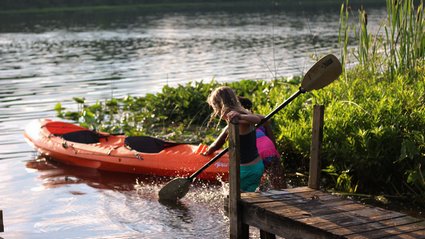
(321, 74)
(174, 190)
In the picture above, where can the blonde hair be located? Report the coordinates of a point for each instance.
(223, 100)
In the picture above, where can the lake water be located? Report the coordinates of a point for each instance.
(45, 59)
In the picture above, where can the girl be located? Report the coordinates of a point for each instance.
(225, 105)
(266, 147)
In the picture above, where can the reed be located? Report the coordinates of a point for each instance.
(343, 34)
(398, 50)
(405, 35)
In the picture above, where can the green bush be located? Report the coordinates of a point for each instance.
(374, 131)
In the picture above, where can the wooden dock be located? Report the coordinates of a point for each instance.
(307, 212)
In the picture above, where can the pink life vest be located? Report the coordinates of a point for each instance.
(265, 145)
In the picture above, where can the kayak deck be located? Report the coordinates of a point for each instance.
(75, 145)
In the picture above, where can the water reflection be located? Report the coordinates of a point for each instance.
(54, 174)
(131, 201)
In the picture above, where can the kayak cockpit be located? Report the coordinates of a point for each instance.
(147, 144)
(83, 137)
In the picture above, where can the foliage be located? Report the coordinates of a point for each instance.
(388, 98)
(174, 113)
(164, 113)
(374, 129)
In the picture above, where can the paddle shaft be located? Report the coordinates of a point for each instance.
(285, 103)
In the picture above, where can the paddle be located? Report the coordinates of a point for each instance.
(321, 74)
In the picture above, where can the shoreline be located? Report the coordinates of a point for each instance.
(176, 6)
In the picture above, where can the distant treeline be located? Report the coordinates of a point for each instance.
(17, 5)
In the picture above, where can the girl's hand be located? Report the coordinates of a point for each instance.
(233, 114)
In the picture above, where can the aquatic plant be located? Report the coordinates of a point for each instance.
(397, 50)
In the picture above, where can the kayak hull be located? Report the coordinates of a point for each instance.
(111, 153)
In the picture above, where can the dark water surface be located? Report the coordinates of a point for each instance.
(45, 59)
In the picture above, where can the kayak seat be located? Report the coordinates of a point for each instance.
(147, 144)
(82, 136)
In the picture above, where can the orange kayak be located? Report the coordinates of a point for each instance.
(71, 144)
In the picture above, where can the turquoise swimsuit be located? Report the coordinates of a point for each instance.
(250, 174)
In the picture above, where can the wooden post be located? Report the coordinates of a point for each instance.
(316, 146)
(1, 222)
(237, 228)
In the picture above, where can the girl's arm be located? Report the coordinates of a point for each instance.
(218, 142)
(246, 121)
(244, 118)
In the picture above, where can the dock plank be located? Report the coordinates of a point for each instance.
(393, 230)
(282, 226)
(410, 235)
(373, 226)
(352, 218)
